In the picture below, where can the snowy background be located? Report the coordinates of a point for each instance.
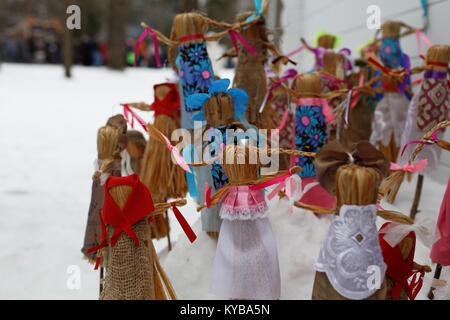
(48, 140)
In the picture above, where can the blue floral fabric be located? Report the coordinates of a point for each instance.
(196, 76)
(391, 54)
(218, 173)
(310, 136)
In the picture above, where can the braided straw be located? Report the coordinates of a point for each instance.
(428, 137)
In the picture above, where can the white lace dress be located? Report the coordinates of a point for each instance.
(351, 253)
(246, 262)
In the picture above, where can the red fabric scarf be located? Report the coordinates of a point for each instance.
(400, 270)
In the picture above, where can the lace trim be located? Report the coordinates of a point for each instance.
(258, 211)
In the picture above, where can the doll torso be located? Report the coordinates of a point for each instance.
(350, 250)
(243, 203)
(196, 76)
(434, 101)
(391, 54)
(310, 135)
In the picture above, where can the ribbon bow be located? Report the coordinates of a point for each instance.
(281, 180)
(416, 167)
(294, 192)
(258, 13)
(396, 232)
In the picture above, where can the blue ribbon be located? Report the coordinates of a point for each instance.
(425, 10)
(188, 155)
(258, 6)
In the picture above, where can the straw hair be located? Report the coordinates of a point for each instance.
(331, 61)
(428, 136)
(219, 110)
(308, 83)
(108, 149)
(326, 41)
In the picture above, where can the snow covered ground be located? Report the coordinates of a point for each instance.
(48, 141)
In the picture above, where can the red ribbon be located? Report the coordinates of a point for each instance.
(103, 243)
(383, 68)
(235, 36)
(191, 37)
(127, 110)
(208, 195)
(155, 44)
(183, 223)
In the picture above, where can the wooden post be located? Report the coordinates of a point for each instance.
(437, 275)
(102, 276)
(169, 243)
(414, 209)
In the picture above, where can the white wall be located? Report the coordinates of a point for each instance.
(302, 18)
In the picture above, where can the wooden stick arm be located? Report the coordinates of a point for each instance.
(426, 268)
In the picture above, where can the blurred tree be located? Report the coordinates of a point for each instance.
(189, 5)
(118, 18)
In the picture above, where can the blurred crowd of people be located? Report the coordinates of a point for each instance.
(41, 42)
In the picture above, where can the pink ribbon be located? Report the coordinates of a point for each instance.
(235, 36)
(356, 94)
(416, 167)
(208, 195)
(435, 140)
(176, 154)
(155, 44)
(127, 110)
(420, 35)
(281, 180)
(290, 54)
(326, 110)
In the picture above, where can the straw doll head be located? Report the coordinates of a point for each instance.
(241, 164)
(354, 176)
(326, 41)
(221, 106)
(109, 150)
(438, 58)
(308, 84)
(334, 64)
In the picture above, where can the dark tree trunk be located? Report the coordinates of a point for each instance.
(189, 5)
(67, 43)
(118, 16)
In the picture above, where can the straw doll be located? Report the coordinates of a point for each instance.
(111, 141)
(132, 267)
(192, 61)
(281, 100)
(390, 112)
(351, 251)
(311, 117)
(246, 262)
(333, 72)
(250, 72)
(323, 42)
(220, 109)
(430, 106)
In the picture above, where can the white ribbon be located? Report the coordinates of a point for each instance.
(294, 192)
(104, 175)
(125, 164)
(396, 232)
